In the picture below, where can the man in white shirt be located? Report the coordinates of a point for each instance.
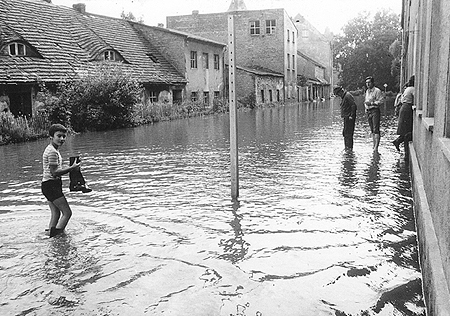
(373, 100)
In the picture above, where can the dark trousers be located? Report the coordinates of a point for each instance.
(404, 139)
(348, 131)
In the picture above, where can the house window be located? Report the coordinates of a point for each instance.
(153, 97)
(206, 97)
(205, 61)
(270, 26)
(216, 61)
(262, 96)
(194, 96)
(110, 55)
(278, 95)
(288, 35)
(293, 61)
(255, 28)
(293, 37)
(216, 95)
(17, 49)
(289, 61)
(193, 59)
(270, 96)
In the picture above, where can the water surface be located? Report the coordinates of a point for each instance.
(316, 231)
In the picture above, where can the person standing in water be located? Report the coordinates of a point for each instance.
(51, 185)
(405, 116)
(348, 113)
(372, 102)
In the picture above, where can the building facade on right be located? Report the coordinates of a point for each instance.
(426, 54)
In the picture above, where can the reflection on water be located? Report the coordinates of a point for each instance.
(316, 231)
(235, 248)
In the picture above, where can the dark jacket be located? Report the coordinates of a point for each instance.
(348, 105)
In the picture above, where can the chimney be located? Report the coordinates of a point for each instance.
(195, 12)
(80, 7)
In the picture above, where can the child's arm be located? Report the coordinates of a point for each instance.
(57, 172)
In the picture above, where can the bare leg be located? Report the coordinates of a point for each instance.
(63, 206)
(376, 142)
(55, 214)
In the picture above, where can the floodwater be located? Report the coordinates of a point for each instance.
(316, 231)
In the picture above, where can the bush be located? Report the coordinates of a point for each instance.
(102, 100)
(20, 129)
(249, 101)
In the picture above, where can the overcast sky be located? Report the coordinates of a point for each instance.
(333, 14)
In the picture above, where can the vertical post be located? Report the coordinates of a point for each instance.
(233, 110)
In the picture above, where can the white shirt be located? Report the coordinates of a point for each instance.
(51, 156)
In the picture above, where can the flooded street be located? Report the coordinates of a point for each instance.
(316, 232)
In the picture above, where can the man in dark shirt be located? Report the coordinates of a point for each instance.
(348, 113)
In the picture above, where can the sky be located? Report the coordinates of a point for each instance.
(322, 14)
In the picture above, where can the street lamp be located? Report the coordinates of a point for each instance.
(385, 86)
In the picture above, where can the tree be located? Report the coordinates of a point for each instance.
(364, 50)
(130, 17)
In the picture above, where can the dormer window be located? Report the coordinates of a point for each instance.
(17, 49)
(110, 55)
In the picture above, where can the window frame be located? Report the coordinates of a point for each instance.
(271, 28)
(110, 53)
(205, 60)
(193, 59)
(255, 27)
(206, 98)
(216, 61)
(17, 49)
(194, 96)
(153, 97)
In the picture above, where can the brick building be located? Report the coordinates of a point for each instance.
(265, 43)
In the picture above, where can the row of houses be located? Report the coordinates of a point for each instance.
(426, 54)
(41, 42)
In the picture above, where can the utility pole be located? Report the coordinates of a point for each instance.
(233, 110)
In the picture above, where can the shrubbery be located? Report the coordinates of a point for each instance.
(18, 129)
(105, 99)
(102, 100)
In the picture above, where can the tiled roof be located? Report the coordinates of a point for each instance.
(260, 71)
(69, 42)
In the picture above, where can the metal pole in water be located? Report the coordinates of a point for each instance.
(233, 110)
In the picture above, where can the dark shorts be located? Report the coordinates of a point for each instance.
(52, 189)
(373, 116)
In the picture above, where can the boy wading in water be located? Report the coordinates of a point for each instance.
(51, 180)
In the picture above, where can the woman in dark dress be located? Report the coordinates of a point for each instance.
(405, 117)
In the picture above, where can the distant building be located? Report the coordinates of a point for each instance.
(200, 60)
(317, 48)
(266, 42)
(426, 54)
(44, 43)
(315, 86)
